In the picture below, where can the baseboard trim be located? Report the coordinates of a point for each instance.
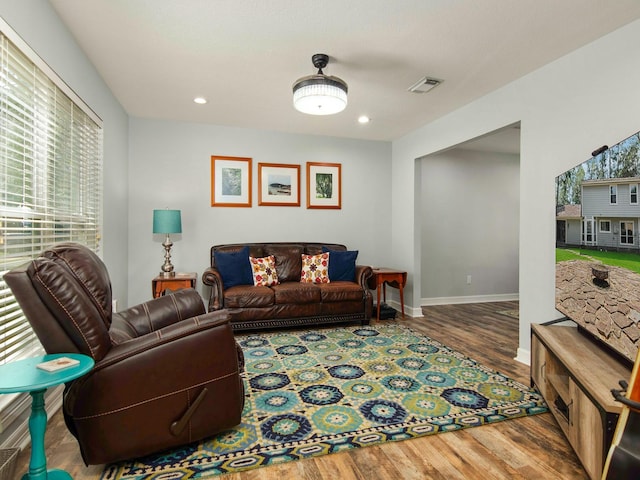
(523, 356)
(425, 302)
(504, 297)
(410, 311)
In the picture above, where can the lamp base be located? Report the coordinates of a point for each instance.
(167, 268)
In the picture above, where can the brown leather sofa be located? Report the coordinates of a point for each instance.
(166, 372)
(290, 303)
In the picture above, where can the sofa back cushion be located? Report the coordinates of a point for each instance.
(288, 260)
(288, 255)
(316, 248)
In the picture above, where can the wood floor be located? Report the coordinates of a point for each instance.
(526, 448)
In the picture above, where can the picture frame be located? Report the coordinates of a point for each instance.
(278, 184)
(230, 181)
(324, 185)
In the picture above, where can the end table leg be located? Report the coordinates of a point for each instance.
(37, 427)
(378, 294)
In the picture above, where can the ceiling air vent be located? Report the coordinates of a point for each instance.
(424, 85)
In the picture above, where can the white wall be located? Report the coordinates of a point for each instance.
(38, 24)
(170, 167)
(567, 108)
(469, 206)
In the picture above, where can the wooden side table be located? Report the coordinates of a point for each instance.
(24, 376)
(175, 282)
(395, 278)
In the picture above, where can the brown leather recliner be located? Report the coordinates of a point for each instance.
(166, 373)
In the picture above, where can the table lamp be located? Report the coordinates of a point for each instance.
(167, 222)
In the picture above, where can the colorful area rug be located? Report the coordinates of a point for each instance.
(312, 393)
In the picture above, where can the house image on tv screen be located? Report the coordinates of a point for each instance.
(606, 218)
(597, 202)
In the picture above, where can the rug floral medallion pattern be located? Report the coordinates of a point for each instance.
(311, 393)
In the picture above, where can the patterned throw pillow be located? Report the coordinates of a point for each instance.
(315, 268)
(264, 271)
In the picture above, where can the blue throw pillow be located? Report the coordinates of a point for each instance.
(234, 267)
(342, 265)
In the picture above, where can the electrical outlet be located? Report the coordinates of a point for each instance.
(468, 279)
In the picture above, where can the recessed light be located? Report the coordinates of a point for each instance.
(363, 119)
(200, 100)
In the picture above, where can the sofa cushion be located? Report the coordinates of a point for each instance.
(342, 265)
(340, 308)
(340, 292)
(315, 268)
(288, 263)
(316, 248)
(245, 296)
(234, 267)
(296, 293)
(264, 271)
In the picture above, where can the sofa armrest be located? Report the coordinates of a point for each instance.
(212, 278)
(363, 273)
(155, 314)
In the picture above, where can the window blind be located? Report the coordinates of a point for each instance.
(50, 175)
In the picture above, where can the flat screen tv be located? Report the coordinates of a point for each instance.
(598, 246)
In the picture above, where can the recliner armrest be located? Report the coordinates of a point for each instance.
(145, 385)
(213, 278)
(177, 357)
(155, 314)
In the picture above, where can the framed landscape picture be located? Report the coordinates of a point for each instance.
(278, 184)
(230, 181)
(324, 185)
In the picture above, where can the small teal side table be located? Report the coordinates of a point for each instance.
(24, 376)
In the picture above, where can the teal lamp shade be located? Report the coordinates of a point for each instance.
(167, 221)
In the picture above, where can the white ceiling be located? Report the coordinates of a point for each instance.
(244, 55)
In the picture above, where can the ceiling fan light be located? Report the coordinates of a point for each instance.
(320, 94)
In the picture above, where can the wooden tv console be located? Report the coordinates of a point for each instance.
(575, 376)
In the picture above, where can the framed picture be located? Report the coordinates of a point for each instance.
(324, 185)
(230, 181)
(278, 184)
